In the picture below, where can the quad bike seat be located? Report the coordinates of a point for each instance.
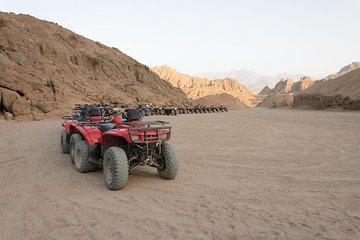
(133, 114)
(95, 111)
(107, 126)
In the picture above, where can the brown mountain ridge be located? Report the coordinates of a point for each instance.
(197, 87)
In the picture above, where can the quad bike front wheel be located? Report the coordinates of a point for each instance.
(170, 166)
(115, 168)
(81, 158)
(65, 148)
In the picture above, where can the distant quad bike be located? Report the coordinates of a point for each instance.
(119, 147)
(157, 110)
(223, 108)
(182, 110)
(145, 109)
(170, 110)
(199, 109)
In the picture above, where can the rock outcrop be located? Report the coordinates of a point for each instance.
(302, 84)
(265, 91)
(343, 92)
(287, 86)
(46, 68)
(283, 86)
(196, 87)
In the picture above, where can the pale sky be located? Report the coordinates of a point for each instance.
(314, 37)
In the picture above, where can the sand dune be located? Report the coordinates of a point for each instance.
(277, 100)
(254, 174)
(222, 99)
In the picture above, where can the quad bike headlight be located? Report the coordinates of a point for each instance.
(134, 137)
(162, 136)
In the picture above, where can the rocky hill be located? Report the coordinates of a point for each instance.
(288, 86)
(197, 87)
(282, 95)
(343, 91)
(46, 68)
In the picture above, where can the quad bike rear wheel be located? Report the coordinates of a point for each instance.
(170, 166)
(81, 157)
(115, 168)
(73, 140)
(65, 148)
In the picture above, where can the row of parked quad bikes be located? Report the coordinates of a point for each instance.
(80, 110)
(170, 110)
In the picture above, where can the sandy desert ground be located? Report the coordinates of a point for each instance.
(252, 174)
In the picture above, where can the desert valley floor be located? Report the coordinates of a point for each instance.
(252, 174)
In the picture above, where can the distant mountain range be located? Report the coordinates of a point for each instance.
(252, 80)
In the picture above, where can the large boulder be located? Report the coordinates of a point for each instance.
(45, 106)
(8, 116)
(21, 107)
(8, 98)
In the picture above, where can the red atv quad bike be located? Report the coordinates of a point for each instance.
(119, 147)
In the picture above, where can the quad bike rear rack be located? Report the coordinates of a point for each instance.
(149, 126)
